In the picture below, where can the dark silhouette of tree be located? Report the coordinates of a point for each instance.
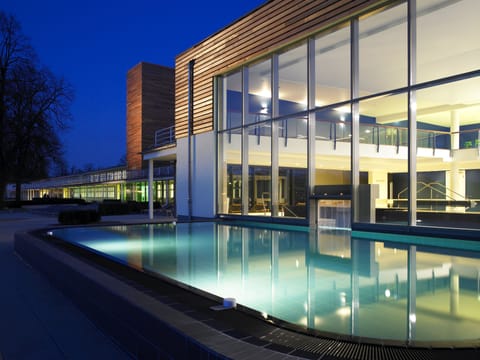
(34, 108)
(60, 168)
(14, 50)
(38, 107)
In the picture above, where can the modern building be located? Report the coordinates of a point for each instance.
(321, 112)
(360, 114)
(150, 124)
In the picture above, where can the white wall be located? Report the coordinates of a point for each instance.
(203, 175)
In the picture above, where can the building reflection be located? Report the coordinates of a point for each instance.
(324, 280)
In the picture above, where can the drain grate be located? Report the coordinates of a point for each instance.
(344, 349)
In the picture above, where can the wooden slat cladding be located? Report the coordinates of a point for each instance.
(150, 104)
(134, 118)
(158, 100)
(268, 28)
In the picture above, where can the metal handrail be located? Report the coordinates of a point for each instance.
(158, 172)
(397, 134)
(285, 207)
(164, 136)
(432, 189)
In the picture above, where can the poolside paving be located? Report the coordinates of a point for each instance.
(36, 320)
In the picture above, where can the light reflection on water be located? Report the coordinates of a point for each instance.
(324, 280)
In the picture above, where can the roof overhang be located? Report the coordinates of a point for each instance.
(161, 154)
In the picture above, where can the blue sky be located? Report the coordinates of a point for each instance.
(93, 43)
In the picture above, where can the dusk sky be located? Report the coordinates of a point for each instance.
(93, 43)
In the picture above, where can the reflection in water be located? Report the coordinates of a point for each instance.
(324, 280)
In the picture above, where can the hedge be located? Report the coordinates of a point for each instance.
(76, 217)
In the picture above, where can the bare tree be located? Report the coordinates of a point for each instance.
(38, 108)
(34, 107)
(14, 50)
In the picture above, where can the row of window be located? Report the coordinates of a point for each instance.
(164, 192)
(350, 106)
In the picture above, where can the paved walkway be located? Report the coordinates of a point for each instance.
(36, 320)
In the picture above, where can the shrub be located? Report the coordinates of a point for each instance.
(76, 217)
(109, 207)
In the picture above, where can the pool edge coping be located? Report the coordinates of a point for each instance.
(214, 342)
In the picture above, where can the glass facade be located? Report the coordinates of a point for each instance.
(447, 38)
(383, 50)
(103, 185)
(386, 103)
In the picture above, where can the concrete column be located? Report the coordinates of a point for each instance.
(457, 182)
(150, 189)
(457, 187)
(274, 133)
(245, 146)
(454, 130)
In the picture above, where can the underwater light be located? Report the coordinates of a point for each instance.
(110, 247)
(343, 311)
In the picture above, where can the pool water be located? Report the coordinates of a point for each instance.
(325, 280)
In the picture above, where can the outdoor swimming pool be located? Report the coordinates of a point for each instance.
(422, 291)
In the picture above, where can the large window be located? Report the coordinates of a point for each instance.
(259, 169)
(383, 51)
(447, 142)
(230, 172)
(232, 101)
(332, 67)
(292, 166)
(386, 102)
(447, 38)
(333, 123)
(292, 80)
(383, 153)
(259, 92)
(253, 179)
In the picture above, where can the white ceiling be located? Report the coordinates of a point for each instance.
(447, 44)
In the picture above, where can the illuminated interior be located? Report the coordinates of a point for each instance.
(277, 142)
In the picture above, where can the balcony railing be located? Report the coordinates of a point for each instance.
(92, 177)
(338, 131)
(468, 138)
(158, 172)
(373, 134)
(165, 136)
